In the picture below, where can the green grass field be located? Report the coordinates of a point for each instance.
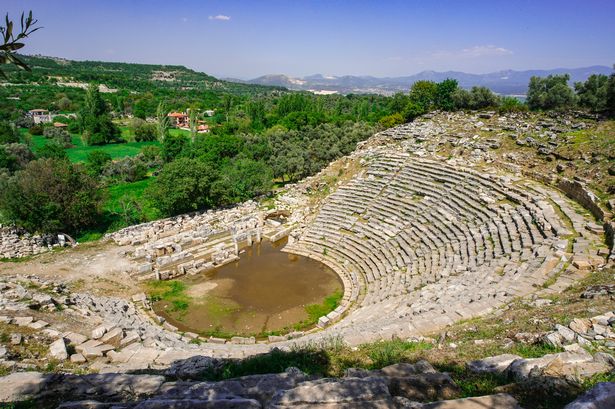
(116, 150)
(79, 152)
(132, 190)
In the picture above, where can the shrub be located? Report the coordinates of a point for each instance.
(142, 130)
(126, 169)
(52, 150)
(49, 196)
(511, 104)
(21, 154)
(73, 127)
(593, 92)
(610, 95)
(96, 161)
(172, 146)
(36, 129)
(150, 153)
(242, 179)
(390, 121)
(8, 133)
(59, 135)
(7, 161)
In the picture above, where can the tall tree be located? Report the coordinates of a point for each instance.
(592, 92)
(193, 122)
(551, 92)
(94, 119)
(444, 94)
(162, 122)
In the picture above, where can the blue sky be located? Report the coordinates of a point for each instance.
(246, 39)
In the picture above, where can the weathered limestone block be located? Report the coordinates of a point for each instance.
(499, 401)
(20, 386)
(601, 396)
(495, 364)
(330, 394)
(57, 350)
(98, 332)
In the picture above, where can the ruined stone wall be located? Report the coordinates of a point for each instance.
(579, 193)
(16, 243)
(582, 195)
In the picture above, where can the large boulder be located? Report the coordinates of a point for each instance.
(21, 386)
(601, 396)
(343, 393)
(424, 387)
(493, 364)
(578, 362)
(498, 401)
(218, 402)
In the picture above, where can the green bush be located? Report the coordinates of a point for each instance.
(49, 196)
(96, 161)
(145, 132)
(183, 185)
(551, 92)
(52, 150)
(59, 135)
(36, 130)
(8, 133)
(129, 169)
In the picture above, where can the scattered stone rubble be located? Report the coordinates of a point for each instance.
(598, 330)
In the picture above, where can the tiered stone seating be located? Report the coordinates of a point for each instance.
(423, 244)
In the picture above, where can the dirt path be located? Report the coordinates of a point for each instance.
(98, 268)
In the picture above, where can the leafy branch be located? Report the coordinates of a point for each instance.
(13, 42)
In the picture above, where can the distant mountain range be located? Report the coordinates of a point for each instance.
(508, 82)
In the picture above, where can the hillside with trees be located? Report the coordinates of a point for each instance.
(129, 163)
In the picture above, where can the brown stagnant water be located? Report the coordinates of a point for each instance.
(265, 290)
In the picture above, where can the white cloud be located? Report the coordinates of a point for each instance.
(476, 51)
(485, 50)
(220, 17)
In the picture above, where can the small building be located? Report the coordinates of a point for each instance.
(60, 125)
(203, 128)
(40, 116)
(179, 119)
(210, 112)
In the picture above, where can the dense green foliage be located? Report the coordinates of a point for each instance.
(592, 93)
(476, 98)
(8, 134)
(50, 195)
(183, 185)
(551, 92)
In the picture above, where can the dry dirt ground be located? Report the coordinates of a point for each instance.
(99, 267)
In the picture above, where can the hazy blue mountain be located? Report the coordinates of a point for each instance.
(507, 82)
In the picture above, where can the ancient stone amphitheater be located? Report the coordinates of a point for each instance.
(420, 241)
